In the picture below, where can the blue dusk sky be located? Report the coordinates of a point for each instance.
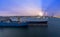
(29, 7)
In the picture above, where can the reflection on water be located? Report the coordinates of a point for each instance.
(24, 32)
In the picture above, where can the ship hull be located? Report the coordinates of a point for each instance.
(24, 24)
(13, 25)
(38, 23)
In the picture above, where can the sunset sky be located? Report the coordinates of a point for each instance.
(29, 7)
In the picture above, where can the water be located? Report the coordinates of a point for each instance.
(54, 27)
(24, 32)
(53, 30)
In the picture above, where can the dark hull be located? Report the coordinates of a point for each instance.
(39, 23)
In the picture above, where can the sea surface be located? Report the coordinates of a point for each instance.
(53, 30)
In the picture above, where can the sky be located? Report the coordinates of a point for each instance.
(29, 7)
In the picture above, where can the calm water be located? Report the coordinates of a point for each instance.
(53, 30)
(24, 32)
